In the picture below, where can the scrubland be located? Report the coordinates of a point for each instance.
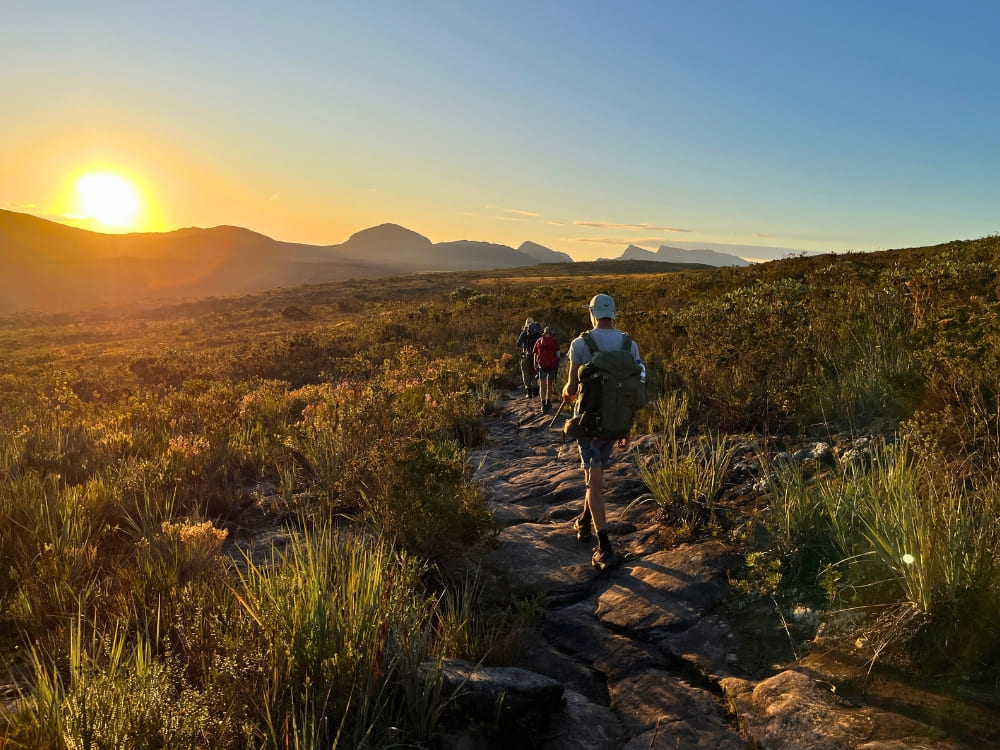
(138, 449)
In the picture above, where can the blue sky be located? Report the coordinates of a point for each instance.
(582, 126)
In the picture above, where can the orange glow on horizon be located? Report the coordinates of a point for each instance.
(107, 199)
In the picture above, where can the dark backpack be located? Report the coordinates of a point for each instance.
(611, 393)
(548, 352)
(528, 337)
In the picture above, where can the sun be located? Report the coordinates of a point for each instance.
(109, 199)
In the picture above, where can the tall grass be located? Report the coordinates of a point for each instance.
(330, 645)
(898, 529)
(353, 631)
(685, 476)
(935, 537)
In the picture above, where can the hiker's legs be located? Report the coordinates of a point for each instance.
(595, 455)
(595, 498)
(545, 388)
(528, 373)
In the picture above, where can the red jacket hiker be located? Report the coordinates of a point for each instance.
(547, 352)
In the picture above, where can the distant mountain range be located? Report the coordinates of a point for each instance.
(679, 255)
(49, 266)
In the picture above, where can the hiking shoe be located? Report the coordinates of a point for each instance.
(546, 406)
(605, 560)
(582, 528)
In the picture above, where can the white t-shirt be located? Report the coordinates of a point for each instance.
(607, 339)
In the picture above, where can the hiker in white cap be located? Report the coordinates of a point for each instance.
(595, 452)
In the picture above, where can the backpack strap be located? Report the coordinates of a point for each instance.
(626, 342)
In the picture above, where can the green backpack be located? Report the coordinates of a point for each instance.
(612, 391)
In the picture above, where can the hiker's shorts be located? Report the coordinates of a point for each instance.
(595, 453)
(547, 374)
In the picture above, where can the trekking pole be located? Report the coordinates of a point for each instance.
(554, 416)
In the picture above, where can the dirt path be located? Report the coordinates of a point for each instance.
(648, 654)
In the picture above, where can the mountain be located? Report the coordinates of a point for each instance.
(543, 253)
(386, 242)
(53, 267)
(409, 252)
(667, 254)
(752, 253)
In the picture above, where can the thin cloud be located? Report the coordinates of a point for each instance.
(639, 242)
(556, 223)
(763, 235)
(628, 227)
(12, 206)
(519, 213)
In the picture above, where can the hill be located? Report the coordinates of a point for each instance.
(405, 251)
(52, 267)
(667, 254)
(543, 253)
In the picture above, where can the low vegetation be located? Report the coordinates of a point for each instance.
(139, 449)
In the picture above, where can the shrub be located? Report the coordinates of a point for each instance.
(421, 499)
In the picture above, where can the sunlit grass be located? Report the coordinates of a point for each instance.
(685, 475)
(895, 529)
(122, 436)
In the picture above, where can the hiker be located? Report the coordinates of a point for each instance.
(530, 333)
(595, 452)
(547, 360)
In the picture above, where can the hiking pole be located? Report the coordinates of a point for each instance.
(554, 416)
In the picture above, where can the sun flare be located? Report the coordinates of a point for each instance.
(108, 199)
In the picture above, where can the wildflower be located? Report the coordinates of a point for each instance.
(188, 447)
(909, 559)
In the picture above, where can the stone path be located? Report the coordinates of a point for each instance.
(645, 656)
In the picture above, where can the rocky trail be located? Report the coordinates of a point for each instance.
(652, 655)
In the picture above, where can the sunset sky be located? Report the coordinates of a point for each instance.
(582, 126)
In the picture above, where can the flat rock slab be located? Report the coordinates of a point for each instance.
(656, 698)
(666, 592)
(540, 558)
(584, 725)
(795, 711)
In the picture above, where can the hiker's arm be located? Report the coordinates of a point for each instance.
(573, 384)
(638, 359)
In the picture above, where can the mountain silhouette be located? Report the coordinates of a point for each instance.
(543, 253)
(409, 252)
(385, 242)
(667, 254)
(53, 267)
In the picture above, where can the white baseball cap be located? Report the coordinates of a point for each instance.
(602, 306)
